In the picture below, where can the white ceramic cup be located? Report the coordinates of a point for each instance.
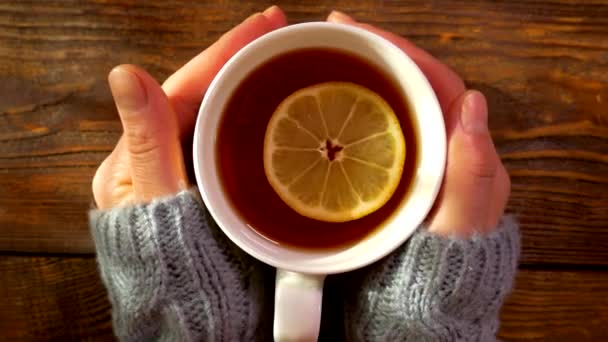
(300, 273)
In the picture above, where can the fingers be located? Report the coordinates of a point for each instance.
(476, 186)
(151, 133)
(445, 82)
(153, 123)
(187, 86)
(475, 190)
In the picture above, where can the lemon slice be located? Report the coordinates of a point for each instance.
(334, 151)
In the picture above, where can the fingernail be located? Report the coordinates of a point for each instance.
(339, 17)
(270, 9)
(275, 16)
(474, 116)
(127, 90)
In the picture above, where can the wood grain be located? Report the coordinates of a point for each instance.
(557, 306)
(542, 64)
(48, 298)
(52, 299)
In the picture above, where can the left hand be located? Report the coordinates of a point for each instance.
(148, 161)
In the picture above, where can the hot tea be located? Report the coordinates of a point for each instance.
(240, 144)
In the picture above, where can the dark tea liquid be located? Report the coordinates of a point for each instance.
(241, 140)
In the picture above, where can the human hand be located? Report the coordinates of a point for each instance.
(148, 161)
(173, 239)
(476, 186)
(432, 288)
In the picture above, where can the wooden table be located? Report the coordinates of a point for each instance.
(542, 64)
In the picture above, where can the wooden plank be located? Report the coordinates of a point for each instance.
(47, 210)
(557, 306)
(542, 65)
(61, 298)
(52, 299)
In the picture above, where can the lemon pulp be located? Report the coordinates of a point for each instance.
(334, 151)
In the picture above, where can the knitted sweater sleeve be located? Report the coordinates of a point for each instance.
(435, 289)
(171, 274)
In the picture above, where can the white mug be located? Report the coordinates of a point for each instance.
(300, 273)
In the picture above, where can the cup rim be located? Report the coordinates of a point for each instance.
(226, 216)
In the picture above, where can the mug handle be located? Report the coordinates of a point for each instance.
(297, 306)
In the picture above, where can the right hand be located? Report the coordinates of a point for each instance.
(476, 186)
(429, 289)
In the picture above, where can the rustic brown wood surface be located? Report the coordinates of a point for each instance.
(543, 66)
(52, 299)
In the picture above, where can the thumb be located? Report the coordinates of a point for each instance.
(151, 133)
(466, 199)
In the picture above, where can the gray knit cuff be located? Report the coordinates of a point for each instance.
(437, 289)
(172, 275)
